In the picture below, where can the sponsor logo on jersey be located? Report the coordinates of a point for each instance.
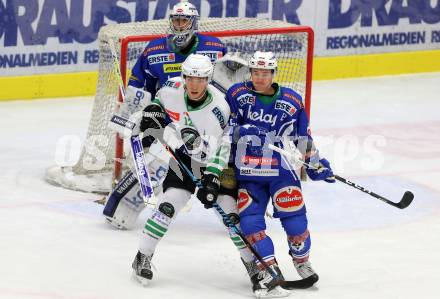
(172, 68)
(260, 116)
(246, 98)
(175, 116)
(161, 58)
(259, 161)
(292, 97)
(244, 200)
(214, 44)
(258, 172)
(148, 50)
(221, 119)
(172, 84)
(286, 107)
(288, 199)
(213, 55)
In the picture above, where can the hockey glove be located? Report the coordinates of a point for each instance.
(320, 169)
(208, 194)
(152, 124)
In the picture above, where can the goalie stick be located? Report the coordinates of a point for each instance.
(404, 202)
(285, 284)
(135, 141)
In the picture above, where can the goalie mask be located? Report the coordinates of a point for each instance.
(184, 22)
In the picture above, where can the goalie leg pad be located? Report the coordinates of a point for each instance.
(124, 203)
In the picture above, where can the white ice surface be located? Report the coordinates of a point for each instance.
(54, 243)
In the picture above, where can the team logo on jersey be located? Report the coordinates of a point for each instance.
(172, 68)
(260, 116)
(161, 58)
(194, 144)
(220, 117)
(244, 200)
(213, 55)
(286, 107)
(288, 199)
(175, 116)
(172, 84)
(246, 98)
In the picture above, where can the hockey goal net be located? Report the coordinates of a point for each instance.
(103, 153)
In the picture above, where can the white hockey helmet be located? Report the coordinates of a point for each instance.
(186, 11)
(263, 60)
(197, 65)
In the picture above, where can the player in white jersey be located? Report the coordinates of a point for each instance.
(189, 115)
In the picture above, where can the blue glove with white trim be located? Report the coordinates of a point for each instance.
(319, 169)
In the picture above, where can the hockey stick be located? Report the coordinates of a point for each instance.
(135, 142)
(406, 200)
(285, 284)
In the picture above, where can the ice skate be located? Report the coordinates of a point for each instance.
(265, 286)
(142, 268)
(252, 270)
(305, 269)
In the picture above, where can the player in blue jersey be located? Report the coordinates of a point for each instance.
(265, 112)
(163, 57)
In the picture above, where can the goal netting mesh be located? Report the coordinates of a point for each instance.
(292, 45)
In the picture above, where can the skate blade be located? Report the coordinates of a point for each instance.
(143, 281)
(277, 292)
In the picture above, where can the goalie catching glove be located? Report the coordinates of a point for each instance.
(318, 169)
(209, 192)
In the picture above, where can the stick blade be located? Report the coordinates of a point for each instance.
(407, 199)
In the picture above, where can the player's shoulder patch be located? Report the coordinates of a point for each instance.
(290, 94)
(155, 46)
(211, 41)
(175, 83)
(235, 89)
